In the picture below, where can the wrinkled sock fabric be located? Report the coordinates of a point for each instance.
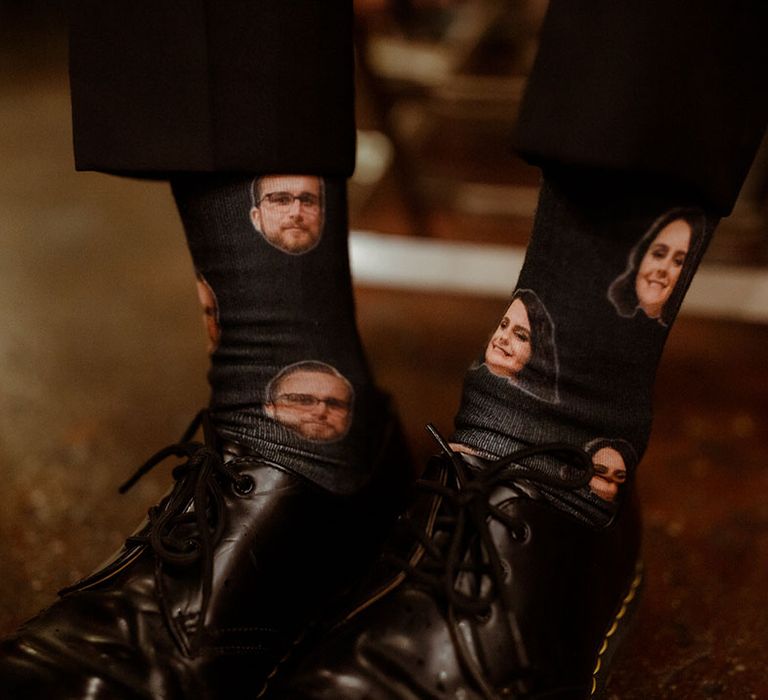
(288, 375)
(575, 354)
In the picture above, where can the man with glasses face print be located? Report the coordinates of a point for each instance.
(288, 211)
(313, 399)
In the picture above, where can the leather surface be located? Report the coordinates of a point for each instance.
(286, 551)
(566, 580)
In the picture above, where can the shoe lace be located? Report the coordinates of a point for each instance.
(461, 541)
(183, 529)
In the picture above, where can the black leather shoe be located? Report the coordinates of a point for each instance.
(214, 589)
(500, 596)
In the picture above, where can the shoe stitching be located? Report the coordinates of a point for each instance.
(620, 615)
(277, 666)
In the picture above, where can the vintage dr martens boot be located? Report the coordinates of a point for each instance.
(500, 595)
(215, 588)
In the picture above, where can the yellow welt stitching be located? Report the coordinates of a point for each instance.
(614, 625)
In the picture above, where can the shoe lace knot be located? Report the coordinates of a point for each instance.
(186, 526)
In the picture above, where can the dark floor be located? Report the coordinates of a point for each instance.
(102, 360)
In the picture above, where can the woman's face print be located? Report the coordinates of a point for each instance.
(661, 265)
(610, 472)
(509, 348)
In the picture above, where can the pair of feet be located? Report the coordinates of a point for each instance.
(247, 580)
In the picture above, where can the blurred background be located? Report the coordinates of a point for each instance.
(102, 353)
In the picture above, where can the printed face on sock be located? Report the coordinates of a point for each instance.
(610, 473)
(288, 211)
(312, 401)
(661, 266)
(210, 312)
(509, 348)
(522, 349)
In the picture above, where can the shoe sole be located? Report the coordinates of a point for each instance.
(616, 633)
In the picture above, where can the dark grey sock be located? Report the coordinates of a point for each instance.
(288, 374)
(576, 353)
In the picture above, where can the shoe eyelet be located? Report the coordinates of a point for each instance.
(483, 617)
(521, 533)
(243, 486)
